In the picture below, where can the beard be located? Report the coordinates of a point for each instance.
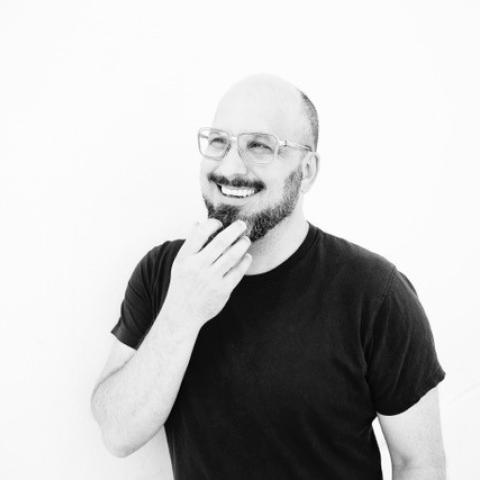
(258, 224)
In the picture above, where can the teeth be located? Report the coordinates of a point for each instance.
(237, 192)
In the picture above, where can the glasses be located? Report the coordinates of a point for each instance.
(255, 147)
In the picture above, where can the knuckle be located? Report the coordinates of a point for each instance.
(230, 282)
(222, 243)
(224, 287)
(220, 288)
(241, 246)
(193, 268)
(184, 266)
(235, 253)
(204, 276)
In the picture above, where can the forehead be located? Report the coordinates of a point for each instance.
(260, 109)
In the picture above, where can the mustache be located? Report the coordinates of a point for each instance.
(236, 182)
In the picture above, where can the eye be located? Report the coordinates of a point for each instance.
(259, 146)
(217, 142)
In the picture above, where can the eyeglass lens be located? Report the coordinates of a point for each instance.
(259, 148)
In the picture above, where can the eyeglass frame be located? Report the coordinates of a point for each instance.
(280, 143)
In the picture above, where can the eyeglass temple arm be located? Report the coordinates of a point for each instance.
(287, 143)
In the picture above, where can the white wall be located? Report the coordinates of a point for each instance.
(99, 106)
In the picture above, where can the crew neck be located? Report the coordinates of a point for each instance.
(283, 268)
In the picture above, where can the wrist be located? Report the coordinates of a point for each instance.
(178, 321)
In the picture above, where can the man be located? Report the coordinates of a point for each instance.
(265, 345)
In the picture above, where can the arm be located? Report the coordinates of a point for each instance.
(133, 403)
(414, 440)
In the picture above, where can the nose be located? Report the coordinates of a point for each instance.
(232, 164)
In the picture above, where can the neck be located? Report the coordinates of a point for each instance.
(278, 244)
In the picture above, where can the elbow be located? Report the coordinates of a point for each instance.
(116, 450)
(109, 438)
(433, 468)
(115, 447)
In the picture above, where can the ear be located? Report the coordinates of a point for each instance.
(311, 164)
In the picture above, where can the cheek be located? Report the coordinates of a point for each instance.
(273, 187)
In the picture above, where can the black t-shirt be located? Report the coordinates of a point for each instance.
(285, 381)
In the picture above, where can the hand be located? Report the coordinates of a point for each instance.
(203, 276)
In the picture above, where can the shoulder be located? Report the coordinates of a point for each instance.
(165, 252)
(161, 256)
(157, 261)
(357, 264)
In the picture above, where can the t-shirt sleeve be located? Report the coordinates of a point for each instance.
(136, 310)
(401, 356)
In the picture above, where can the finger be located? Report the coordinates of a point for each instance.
(235, 274)
(221, 242)
(231, 256)
(198, 235)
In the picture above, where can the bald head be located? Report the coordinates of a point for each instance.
(264, 102)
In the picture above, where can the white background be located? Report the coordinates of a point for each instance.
(99, 106)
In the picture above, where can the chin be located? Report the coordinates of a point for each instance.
(224, 212)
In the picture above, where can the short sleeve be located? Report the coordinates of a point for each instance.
(402, 363)
(136, 310)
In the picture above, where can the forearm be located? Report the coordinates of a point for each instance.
(133, 404)
(412, 472)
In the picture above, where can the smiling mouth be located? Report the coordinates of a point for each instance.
(236, 192)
